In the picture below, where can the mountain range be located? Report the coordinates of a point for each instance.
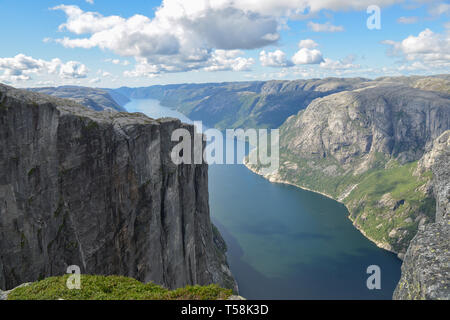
(378, 146)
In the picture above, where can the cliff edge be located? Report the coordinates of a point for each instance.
(99, 190)
(426, 268)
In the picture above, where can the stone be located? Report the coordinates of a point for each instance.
(99, 190)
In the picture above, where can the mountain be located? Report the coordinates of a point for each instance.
(426, 269)
(242, 104)
(362, 148)
(99, 190)
(439, 83)
(96, 99)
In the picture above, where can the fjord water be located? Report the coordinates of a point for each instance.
(285, 242)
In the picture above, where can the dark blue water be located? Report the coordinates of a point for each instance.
(285, 242)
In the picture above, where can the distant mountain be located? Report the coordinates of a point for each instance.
(96, 99)
(242, 104)
(439, 83)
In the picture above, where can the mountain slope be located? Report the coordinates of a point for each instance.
(242, 104)
(361, 147)
(96, 99)
(426, 269)
(99, 190)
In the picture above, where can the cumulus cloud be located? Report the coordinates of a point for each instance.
(342, 65)
(219, 60)
(325, 27)
(176, 29)
(293, 7)
(22, 67)
(73, 70)
(308, 43)
(185, 34)
(306, 54)
(223, 60)
(428, 48)
(276, 59)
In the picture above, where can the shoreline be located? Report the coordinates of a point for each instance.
(279, 181)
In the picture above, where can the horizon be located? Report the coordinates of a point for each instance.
(111, 44)
(225, 82)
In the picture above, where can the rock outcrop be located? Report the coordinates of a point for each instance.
(426, 268)
(99, 190)
(96, 99)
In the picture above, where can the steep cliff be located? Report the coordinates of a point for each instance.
(426, 268)
(99, 190)
(362, 148)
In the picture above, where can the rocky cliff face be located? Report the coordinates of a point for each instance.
(96, 99)
(362, 147)
(100, 191)
(426, 268)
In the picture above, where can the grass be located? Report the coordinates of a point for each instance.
(113, 288)
(402, 186)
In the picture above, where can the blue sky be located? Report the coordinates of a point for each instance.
(111, 43)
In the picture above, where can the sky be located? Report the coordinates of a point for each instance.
(114, 43)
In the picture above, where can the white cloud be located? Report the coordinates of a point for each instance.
(177, 29)
(90, 1)
(118, 62)
(340, 65)
(185, 34)
(306, 54)
(22, 67)
(308, 43)
(439, 9)
(73, 70)
(276, 59)
(326, 27)
(229, 60)
(293, 7)
(429, 48)
(407, 20)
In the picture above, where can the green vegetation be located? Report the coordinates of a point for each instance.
(387, 202)
(113, 288)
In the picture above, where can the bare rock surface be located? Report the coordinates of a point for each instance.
(426, 267)
(99, 190)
